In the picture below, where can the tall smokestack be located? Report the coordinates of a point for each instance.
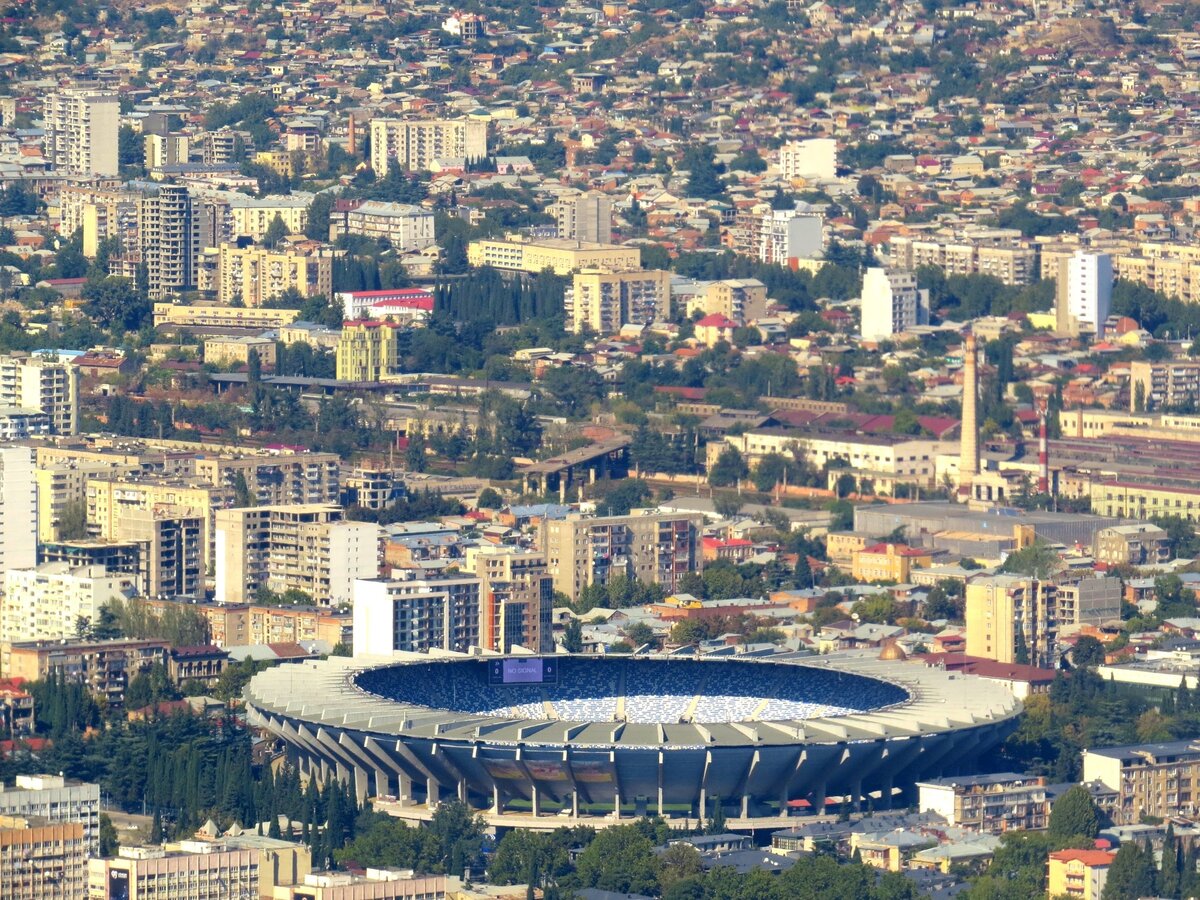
(968, 464)
(1042, 404)
(351, 138)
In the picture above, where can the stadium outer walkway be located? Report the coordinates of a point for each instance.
(415, 813)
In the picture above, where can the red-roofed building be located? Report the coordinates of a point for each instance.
(714, 328)
(364, 304)
(1021, 680)
(1079, 873)
(735, 550)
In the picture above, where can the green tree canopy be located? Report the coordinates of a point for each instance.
(1074, 814)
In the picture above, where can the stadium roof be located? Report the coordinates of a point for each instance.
(324, 694)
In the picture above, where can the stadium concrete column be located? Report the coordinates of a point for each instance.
(535, 800)
(617, 804)
(819, 796)
(497, 806)
(462, 790)
(575, 803)
(432, 794)
(661, 766)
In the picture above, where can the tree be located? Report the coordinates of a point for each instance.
(728, 469)
(679, 861)
(319, 210)
(573, 637)
(115, 303)
(1038, 560)
(489, 498)
(620, 859)
(1074, 814)
(1131, 874)
(275, 232)
(1087, 652)
(108, 836)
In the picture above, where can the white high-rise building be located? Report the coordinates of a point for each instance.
(81, 127)
(18, 509)
(790, 233)
(1088, 294)
(416, 614)
(891, 303)
(812, 158)
(43, 383)
(46, 603)
(413, 144)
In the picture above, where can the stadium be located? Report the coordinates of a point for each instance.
(612, 736)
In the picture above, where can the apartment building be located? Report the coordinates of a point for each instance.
(110, 500)
(737, 299)
(276, 477)
(1161, 385)
(1160, 779)
(416, 614)
(376, 884)
(175, 315)
(891, 303)
(252, 216)
(105, 668)
(256, 274)
(1083, 293)
(994, 803)
(1134, 500)
(1132, 545)
(787, 234)
(42, 382)
(239, 624)
(1170, 268)
(885, 460)
(100, 213)
(159, 150)
(247, 867)
(47, 601)
(412, 145)
(605, 301)
(996, 252)
(62, 492)
(171, 557)
(657, 548)
(815, 158)
(1078, 874)
(559, 255)
(169, 238)
(1091, 600)
(516, 598)
(368, 350)
(585, 217)
(55, 799)
(304, 547)
(81, 129)
(18, 509)
(888, 562)
(42, 860)
(405, 227)
(1010, 619)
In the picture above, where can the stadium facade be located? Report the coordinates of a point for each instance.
(587, 736)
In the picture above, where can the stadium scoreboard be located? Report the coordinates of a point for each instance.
(523, 670)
